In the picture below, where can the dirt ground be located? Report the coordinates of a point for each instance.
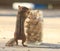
(51, 33)
(51, 30)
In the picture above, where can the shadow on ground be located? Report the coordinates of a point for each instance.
(42, 45)
(45, 45)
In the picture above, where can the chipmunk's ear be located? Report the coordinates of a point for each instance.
(19, 7)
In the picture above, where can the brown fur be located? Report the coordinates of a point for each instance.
(34, 27)
(19, 34)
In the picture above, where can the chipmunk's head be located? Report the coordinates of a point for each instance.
(24, 10)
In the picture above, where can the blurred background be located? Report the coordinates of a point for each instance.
(42, 3)
(51, 17)
(51, 6)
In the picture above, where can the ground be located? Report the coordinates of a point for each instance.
(51, 33)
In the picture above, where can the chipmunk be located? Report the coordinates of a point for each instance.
(19, 34)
